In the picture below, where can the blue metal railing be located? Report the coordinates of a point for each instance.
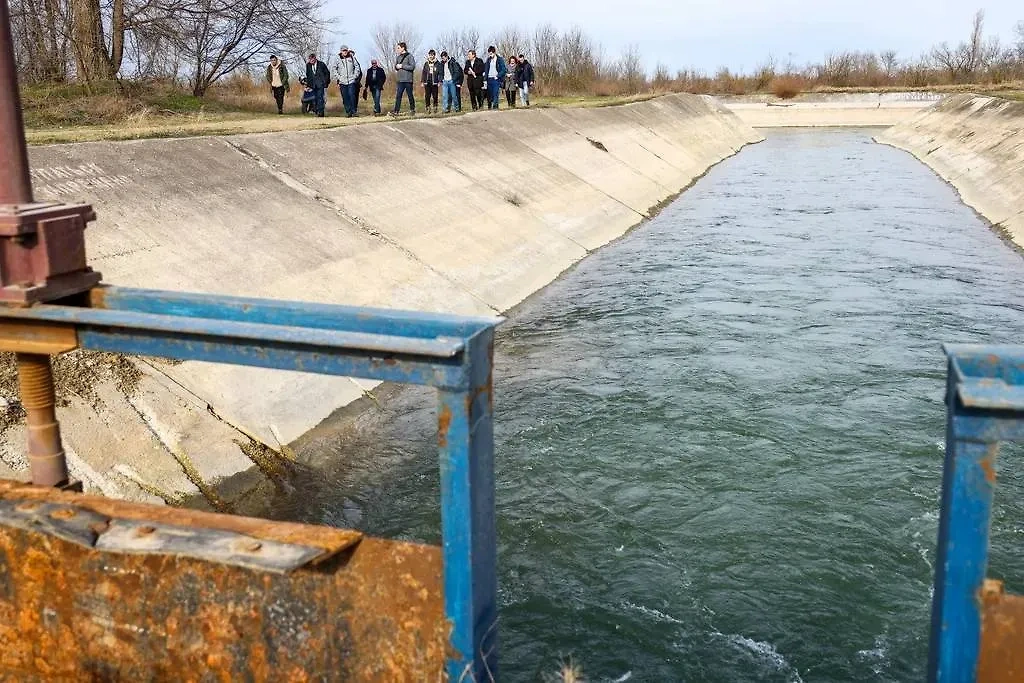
(985, 406)
(451, 353)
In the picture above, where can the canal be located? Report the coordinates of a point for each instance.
(719, 440)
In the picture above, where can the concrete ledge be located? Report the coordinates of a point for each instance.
(830, 110)
(976, 144)
(468, 214)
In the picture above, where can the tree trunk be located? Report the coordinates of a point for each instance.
(90, 51)
(117, 37)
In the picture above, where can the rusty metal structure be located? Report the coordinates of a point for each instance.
(93, 589)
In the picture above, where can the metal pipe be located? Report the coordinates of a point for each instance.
(35, 375)
(45, 450)
(15, 182)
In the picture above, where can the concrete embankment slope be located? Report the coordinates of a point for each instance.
(977, 145)
(468, 214)
(814, 110)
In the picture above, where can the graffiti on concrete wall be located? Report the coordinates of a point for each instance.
(58, 182)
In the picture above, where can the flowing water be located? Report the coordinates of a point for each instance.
(719, 440)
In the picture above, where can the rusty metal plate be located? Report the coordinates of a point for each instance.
(1002, 636)
(372, 612)
(19, 336)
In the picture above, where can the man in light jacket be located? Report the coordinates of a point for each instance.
(405, 67)
(348, 72)
(277, 77)
(495, 70)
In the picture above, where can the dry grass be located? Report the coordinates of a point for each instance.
(786, 87)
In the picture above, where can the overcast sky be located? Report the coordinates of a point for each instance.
(705, 34)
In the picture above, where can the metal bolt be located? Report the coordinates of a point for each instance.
(27, 507)
(145, 530)
(252, 546)
(45, 451)
(63, 513)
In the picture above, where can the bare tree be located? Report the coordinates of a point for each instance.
(889, 63)
(387, 36)
(220, 36)
(1019, 47)
(510, 40)
(457, 42)
(630, 69)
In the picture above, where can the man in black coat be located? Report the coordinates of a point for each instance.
(524, 79)
(475, 79)
(376, 77)
(451, 84)
(318, 77)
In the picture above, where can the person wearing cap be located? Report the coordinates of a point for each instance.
(451, 84)
(277, 77)
(431, 79)
(495, 71)
(348, 72)
(376, 77)
(318, 77)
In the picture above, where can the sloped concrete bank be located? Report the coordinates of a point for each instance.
(814, 110)
(977, 145)
(470, 214)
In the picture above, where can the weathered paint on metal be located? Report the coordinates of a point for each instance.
(983, 409)
(465, 435)
(415, 324)
(18, 336)
(1002, 632)
(73, 613)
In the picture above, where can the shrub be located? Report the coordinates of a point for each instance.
(786, 87)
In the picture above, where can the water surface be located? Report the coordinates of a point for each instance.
(719, 440)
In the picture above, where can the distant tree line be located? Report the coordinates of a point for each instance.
(199, 42)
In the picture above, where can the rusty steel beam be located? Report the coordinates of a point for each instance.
(364, 610)
(1002, 635)
(15, 182)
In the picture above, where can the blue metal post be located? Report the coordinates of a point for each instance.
(984, 407)
(465, 441)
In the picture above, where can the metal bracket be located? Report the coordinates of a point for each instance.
(42, 251)
(84, 527)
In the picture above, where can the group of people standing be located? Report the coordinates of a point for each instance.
(441, 77)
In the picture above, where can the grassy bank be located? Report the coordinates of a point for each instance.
(126, 111)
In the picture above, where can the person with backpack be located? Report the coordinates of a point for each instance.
(277, 77)
(495, 71)
(524, 79)
(348, 72)
(405, 67)
(318, 77)
(376, 77)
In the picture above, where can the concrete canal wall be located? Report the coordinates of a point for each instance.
(814, 110)
(977, 145)
(469, 214)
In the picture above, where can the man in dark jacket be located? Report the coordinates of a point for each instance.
(405, 66)
(318, 77)
(431, 79)
(277, 77)
(475, 81)
(524, 79)
(451, 84)
(495, 69)
(376, 77)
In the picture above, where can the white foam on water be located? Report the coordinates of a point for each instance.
(765, 652)
(653, 613)
(876, 656)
